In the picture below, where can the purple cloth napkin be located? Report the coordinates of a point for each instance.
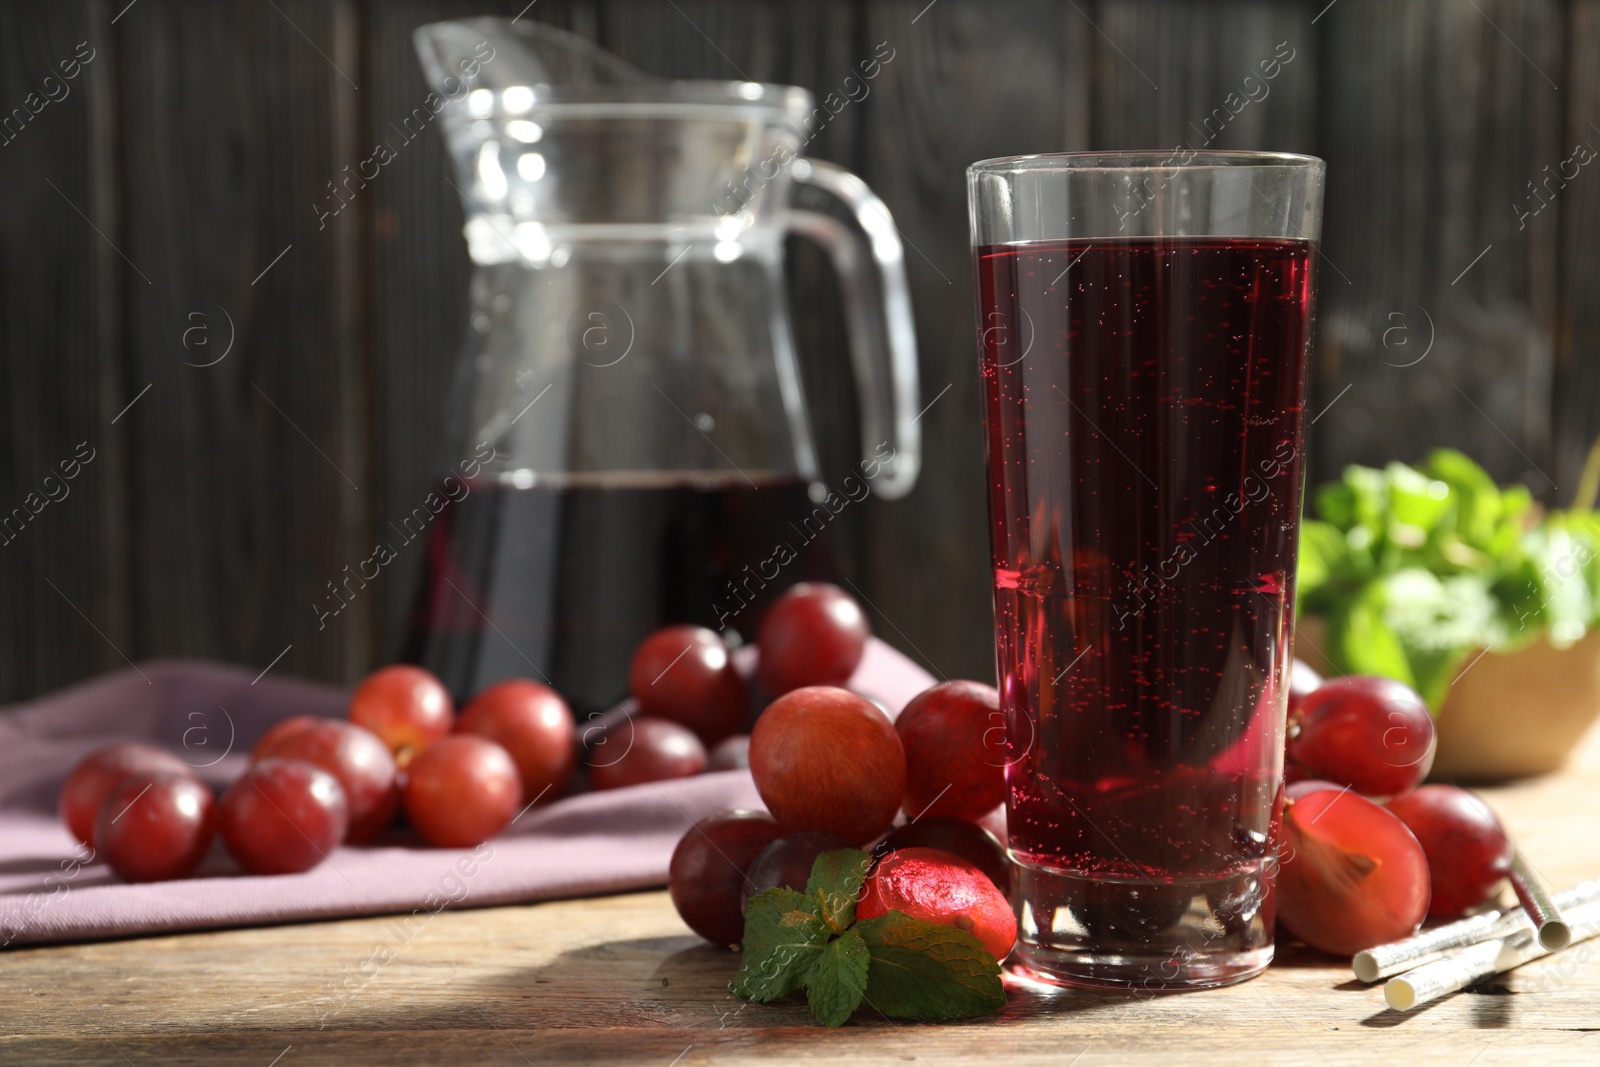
(50, 890)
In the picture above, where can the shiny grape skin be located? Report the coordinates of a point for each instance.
(1350, 874)
(1373, 734)
(280, 732)
(354, 755)
(1469, 855)
(686, 674)
(535, 726)
(101, 771)
(957, 836)
(283, 816)
(1303, 681)
(826, 759)
(155, 826)
(706, 878)
(407, 707)
(462, 790)
(652, 750)
(815, 634)
(953, 735)
(944, 889)
(787, 860)
(1303, 786)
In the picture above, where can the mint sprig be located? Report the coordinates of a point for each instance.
(1416, 570)
(839, 979)
(921, 970)
(783, 936)
(835, 885)
(903, 967)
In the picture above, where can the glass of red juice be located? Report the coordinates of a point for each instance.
(1143, 326)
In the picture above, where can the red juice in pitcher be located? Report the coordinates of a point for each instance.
(1143, 409)
(561, 583)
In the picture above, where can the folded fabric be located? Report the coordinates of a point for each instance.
(52, 888)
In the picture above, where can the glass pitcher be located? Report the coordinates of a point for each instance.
(629, 443)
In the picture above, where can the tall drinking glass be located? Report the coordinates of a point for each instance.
(1143, 324)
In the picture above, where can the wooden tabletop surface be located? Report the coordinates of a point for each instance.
(621, 980)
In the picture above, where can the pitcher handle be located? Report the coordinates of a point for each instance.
(883, 339)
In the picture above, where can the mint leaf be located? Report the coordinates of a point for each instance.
(838, 979)
(920, 970)
(835, 886)
(1417, 569)
(1439, 623)
(782, 939)
(1362, 642)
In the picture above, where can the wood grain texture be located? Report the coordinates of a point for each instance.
(63, 547)
(202, 139)
(1164, 73)
(620, 980)
(1435, 118)
(250, 479)
(1575, 420)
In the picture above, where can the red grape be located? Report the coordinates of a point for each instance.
(826, 759)
(731, 754)
(706, 878)
(1303, 681)
(814, 635)
(951, 766)
(684, 673)
(1294, 774)
(957, 836)
(942, 888)
(787, 861)
(995, 822)
(355, 756)
(407, 708)
(1351, 875)
(462, 790)
(1301, 786)
(283, 816)
(1468, 852)
(155, 825)
(1122, 913)
(652, 750)
(280, 730)
(98, 773)
(1372, 734)
(532, 723)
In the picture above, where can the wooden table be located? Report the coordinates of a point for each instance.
(621, 980)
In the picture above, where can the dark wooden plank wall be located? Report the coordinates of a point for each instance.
(142, 208)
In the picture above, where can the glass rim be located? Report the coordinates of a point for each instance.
(1145, 160)
(665, 96)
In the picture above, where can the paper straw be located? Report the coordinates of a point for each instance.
(1554, 933)
(1442, 977)
(1430, 945)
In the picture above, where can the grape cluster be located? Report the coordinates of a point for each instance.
(830, 766)
(694, 707)
(314, 784)
(1368, 853)
(836, 773)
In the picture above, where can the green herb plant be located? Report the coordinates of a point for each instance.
(1415, 570)
(903, 967)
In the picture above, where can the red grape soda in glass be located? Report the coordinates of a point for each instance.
(1143, 324)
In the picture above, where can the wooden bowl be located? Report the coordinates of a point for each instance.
(1508, 714)
(1515, 714)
